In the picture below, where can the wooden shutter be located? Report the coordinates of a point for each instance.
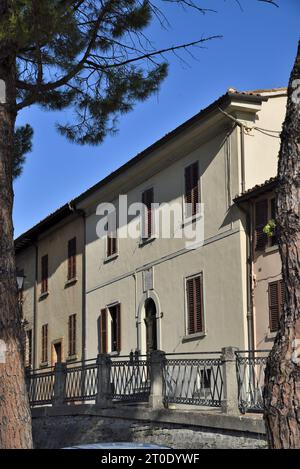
(72, 335)
(72, 259)
(103, 331)
(118, 319)
(195, 305)
(45, 343)
(276, 304)
(44, 269)
(111, 244)
(147, 200)
(192, 188)
(274, 239)
(261, 219)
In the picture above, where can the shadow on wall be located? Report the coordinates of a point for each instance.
(65, 431)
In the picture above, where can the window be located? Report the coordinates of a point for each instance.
(261, 219)
(45, 343)
(147, 221)
(72, 259)
(72, 335)
(103, 331)
(28, 348)
(276, 304)
(20, 272)
(194, 290)
(111, 246)
(192, 194)
(44, 262)
(274, 239)
(264, 211)
(110, 329)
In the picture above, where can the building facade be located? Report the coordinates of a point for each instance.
(51, 258)
(144, 290)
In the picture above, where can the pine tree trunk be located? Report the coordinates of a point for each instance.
(15, 419)
(282, 381)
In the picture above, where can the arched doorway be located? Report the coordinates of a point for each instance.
(151, 325)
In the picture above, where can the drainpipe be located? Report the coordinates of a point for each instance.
(83, 266)
(242, 132)
(35, 303)
(249, 262)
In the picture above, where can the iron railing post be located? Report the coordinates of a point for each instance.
(60, 375)
(157, 363)
(230, 403)
(104, 394)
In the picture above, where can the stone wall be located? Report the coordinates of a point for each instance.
(57, 431)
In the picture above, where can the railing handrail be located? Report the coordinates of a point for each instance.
(192, 353)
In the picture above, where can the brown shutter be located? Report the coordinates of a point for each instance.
(111, 244)
(147, 200)
(118, 319)
(103, 347)
(281, 301)
(195, 304)
(190, 306)
(45, 343)
(274, 305)
(72, 259)
(261, 219)
(198, 306)
(44, 269)
(72, 334)
(274, 238)
(192, 188)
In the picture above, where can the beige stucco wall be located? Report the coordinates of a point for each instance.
(220, 259)
(63, 299)
(261, 151)
(266, 269)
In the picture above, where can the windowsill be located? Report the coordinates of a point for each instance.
(270, 249)
(44, 364)
(111, 258)
(271, 335)
(43, 295)
(71, 282)
(144, 241)
(197, 336)
(189, 220)
(114, 354)
(72, 358)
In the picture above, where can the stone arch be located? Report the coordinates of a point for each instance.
(141, 327)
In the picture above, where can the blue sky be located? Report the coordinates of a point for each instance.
(257, 51)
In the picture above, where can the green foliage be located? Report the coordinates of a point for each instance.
(22, 146)
(270, 227)
(87, 55)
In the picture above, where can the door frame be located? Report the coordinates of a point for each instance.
(53, 343)
(140, 322)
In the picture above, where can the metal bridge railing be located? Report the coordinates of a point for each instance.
(250, 367)
(40, 386)
(81, 382)
(193, 380)
(130, 378)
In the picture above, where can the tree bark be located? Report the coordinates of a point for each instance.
(15, 418)
(282, 379)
